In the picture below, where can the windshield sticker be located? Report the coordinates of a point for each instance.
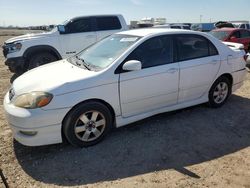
(130, 39)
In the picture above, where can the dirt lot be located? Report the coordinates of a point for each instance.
(194, 147)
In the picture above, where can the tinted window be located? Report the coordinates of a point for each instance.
(80, 25)
(212, 49)
(191, 47)
(108, 23)
(186, 27)
(236, 34)
(248, 26)
(176, 27)
(244, 34)
(242, 26)
(153, 52)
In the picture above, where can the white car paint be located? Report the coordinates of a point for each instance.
(133, 95)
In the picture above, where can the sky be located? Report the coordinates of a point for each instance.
(39, 12)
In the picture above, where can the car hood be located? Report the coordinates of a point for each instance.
(30, 36)
(57, 78)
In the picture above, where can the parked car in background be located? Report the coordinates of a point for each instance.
(29, 51)
(241, 36)
(241, 25)
(121, 79)
(204, 27)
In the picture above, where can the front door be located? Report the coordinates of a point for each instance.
(79, 34)
(156, 84)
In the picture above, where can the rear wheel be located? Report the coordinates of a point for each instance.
(219, 92)
(41, 59)
(87, 124)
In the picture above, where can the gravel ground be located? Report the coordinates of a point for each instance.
(194, 147)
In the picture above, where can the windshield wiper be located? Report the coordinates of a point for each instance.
(83, 63)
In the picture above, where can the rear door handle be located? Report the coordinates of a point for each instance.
(214, 62)
(172, 70)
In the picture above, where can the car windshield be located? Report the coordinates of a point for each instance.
(103, 53)
(221, 35)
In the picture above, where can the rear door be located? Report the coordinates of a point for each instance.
(199, 64)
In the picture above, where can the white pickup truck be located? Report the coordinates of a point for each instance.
(32, 50)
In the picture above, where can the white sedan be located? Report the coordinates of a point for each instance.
(122, 79)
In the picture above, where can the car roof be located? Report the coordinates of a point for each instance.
(97, 15)
(229, 29)
(156, 31)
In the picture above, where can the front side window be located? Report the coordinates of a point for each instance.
(103, 53)
(108, 23)
(236, 34)
(242, 26)
(153, 52)
(191, 47)
(78, 26)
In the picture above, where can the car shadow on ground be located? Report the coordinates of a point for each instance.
(166, 141)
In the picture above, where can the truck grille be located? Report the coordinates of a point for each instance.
(11, 94)
(5, 50)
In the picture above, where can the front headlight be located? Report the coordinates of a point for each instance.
(16, 46)
(33, 100)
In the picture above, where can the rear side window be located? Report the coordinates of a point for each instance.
(153, 52)
(212, 49)
(78, 26)
(244, 34)
(108, 23)
(194, 46)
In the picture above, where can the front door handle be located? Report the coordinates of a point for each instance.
(90, 36)
(172, 70)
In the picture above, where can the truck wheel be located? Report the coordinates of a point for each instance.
(87, 124)
(41, 59)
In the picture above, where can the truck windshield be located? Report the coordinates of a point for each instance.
(103, 53)
(221, 35)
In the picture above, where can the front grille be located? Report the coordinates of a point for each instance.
(5, 50)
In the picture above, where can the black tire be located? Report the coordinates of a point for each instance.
(73, 121)
(214, 101)
(41, 59)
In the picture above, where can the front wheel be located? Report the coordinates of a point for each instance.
(41, 59)
(219, 92)
(87, 124)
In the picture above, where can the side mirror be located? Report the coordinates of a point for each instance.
(132, 65)
(61, 29)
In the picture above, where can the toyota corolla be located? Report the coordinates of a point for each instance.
(122, 79)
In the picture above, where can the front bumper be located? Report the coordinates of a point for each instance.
(15, 64)
(46, 123)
